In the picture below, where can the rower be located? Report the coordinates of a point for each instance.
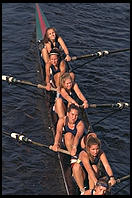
(56, 67)
(69, 93)
(53, 41)
(72, 128)
(101, 188)
(87, 165)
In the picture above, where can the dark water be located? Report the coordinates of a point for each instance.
(86, 28)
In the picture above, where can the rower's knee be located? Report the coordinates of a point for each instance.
(72, 75)
(76, 168)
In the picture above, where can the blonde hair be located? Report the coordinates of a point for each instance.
(63, 78)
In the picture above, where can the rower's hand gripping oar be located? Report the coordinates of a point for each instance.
(25, 139)
(98, 54)
(11, 79)
(119, 180)
(124, 178)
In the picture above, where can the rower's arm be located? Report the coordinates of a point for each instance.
(80, 95)
(67, 97)
(108, 168)
(106, 164)
(63, 45)
(80, 130)
(47, 73)
(84, 158)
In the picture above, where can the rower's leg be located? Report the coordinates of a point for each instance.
(69, 137)
(45, 55)
(57, 79)
(60, 108)
(78, 175)
(72, 76)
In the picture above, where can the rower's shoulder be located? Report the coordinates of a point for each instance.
(60, 39)
(82, 154)
(80, 122)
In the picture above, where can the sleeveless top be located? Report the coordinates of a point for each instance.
(54, 71)
(96, 160)
(73, 95)
(57, 44)
(67, 129)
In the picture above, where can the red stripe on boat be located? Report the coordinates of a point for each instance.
(42, 23)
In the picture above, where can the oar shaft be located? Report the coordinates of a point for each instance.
(123, 179)
(11, 79)
(22, 138)
(117, 51)
(99, 54)
(101, 105)
(119, 105)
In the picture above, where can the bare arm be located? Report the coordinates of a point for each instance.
(64, 47)
(107, 168)
(80, 95)
(84, 158)
(67, 97)
(80, 130)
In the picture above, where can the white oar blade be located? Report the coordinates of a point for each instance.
(4, 77)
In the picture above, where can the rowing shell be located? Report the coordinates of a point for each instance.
(64, 160)
(41, 25)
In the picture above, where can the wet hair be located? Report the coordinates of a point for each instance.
(73, 106)
(63, 78)
(46, 39)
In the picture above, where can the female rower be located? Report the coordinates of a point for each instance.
(53, 41)
(69, 93)
(84, 139)
(58, 68)
(88, 163)
(72, 128)
(101, 188)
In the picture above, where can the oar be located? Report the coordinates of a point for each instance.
(22, 138)
(99, 54)
(11, 79)
(120, 105)
(119, 180)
